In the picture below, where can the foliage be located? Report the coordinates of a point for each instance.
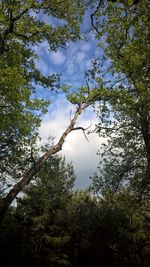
(124, 117)
(82, 230)
(22, 30)
(40, 217)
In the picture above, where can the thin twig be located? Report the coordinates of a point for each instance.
(88, 87)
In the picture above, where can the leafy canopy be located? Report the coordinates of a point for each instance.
(124, 28)
(22, 27)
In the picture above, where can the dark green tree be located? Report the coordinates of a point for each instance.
(122, 234)
(38, 233)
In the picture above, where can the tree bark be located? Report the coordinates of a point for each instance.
(27, 177)
(146, 137)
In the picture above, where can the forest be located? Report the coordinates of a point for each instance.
(45, 221)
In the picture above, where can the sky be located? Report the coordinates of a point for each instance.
(71, 62)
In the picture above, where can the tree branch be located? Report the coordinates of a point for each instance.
(21, 14)
(92, 17)
(83, 130)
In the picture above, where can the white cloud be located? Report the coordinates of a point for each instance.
(76, 148)
(70, 68)
(88, 64)
(79, 57)
(83, 155)
(86, 47)
(57, 57)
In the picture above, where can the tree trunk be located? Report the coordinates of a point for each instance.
(145, 130)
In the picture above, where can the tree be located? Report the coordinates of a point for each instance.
(55, 226)
(126, 116)
(38, 227)
(83, 216)
(22, 27)
(123, 179)
(122, 231)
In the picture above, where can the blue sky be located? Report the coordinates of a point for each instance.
(71, 62)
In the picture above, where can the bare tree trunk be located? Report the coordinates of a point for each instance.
(27, 177)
